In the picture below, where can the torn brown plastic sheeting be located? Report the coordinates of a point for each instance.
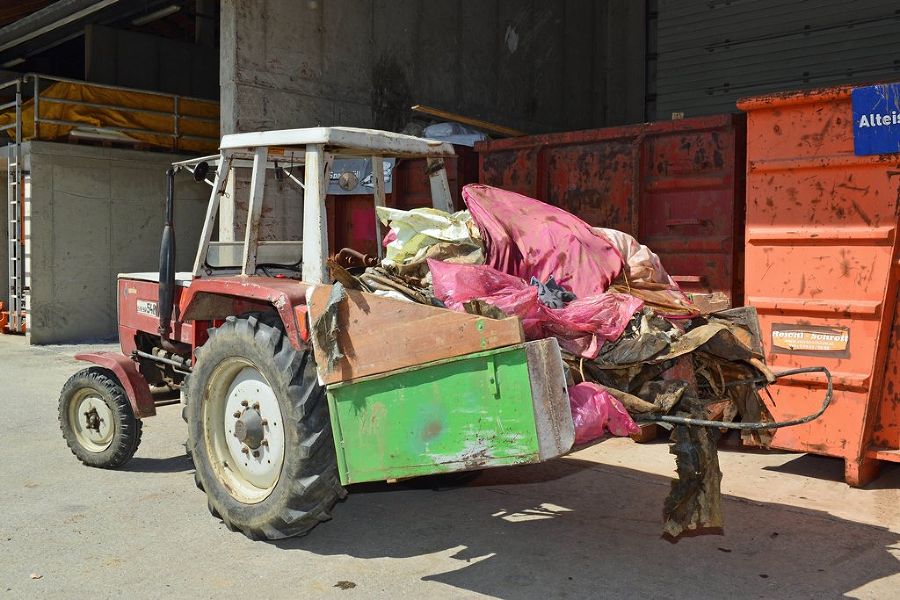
(326, 327)
(695, 498)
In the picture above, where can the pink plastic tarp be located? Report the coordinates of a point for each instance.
(595, 411)
(526, 237)
(581, 327)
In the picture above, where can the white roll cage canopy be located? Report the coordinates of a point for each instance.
(315, 149)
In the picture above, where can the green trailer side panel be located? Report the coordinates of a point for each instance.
(469, 412)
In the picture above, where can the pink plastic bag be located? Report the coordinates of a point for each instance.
(525, 237)
(581, 327)
(595, 411)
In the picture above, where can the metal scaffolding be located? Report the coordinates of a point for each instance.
(127, 128)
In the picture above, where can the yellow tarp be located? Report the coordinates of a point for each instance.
(118, 110)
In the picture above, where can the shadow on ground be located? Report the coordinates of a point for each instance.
(172, 464)
(832, 469)
(571, 528)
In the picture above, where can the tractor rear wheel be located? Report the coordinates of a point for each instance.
(259, 431)
(96, 419)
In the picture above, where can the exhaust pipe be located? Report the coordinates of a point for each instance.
(167, 263)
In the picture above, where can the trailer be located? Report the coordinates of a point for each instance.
(294, 384)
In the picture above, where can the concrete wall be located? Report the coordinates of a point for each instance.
(96, 212)
(537, 65)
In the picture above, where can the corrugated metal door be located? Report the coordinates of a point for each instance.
(709, 54)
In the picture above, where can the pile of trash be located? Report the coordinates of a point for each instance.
(635, 345)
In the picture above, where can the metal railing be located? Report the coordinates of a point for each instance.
(33, 87)
(36, 86)
(15, 219)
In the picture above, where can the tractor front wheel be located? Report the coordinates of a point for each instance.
(259, 431)
(96, 419)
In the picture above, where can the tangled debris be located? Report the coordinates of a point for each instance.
(636, 347)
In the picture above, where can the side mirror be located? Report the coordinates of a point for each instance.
(200, 171)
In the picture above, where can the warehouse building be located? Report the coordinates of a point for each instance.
(83, 185)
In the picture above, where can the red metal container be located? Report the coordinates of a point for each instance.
(351, 218)
(822, 270)
(677, 186)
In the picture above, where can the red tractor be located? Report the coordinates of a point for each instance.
(232, 337)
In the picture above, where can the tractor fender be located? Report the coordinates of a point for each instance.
(218, 298)
(136, 387)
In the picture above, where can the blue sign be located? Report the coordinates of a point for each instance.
(876, 119)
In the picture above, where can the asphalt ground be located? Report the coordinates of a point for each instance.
(585, 526)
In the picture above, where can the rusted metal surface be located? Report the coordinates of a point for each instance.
(886, 431)
(822, 271)
(678, 186)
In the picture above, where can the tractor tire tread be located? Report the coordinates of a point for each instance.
(309, 486)
(129, 429)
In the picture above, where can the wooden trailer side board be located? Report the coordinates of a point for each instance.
(377, 334)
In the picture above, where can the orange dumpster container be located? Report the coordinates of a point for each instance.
(822, 271)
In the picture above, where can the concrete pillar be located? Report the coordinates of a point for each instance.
(553, 65)
(528, 65)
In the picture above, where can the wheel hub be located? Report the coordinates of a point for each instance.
(92, 421)
(249, 428)
(242, 418)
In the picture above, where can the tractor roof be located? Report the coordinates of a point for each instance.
(351, 141)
